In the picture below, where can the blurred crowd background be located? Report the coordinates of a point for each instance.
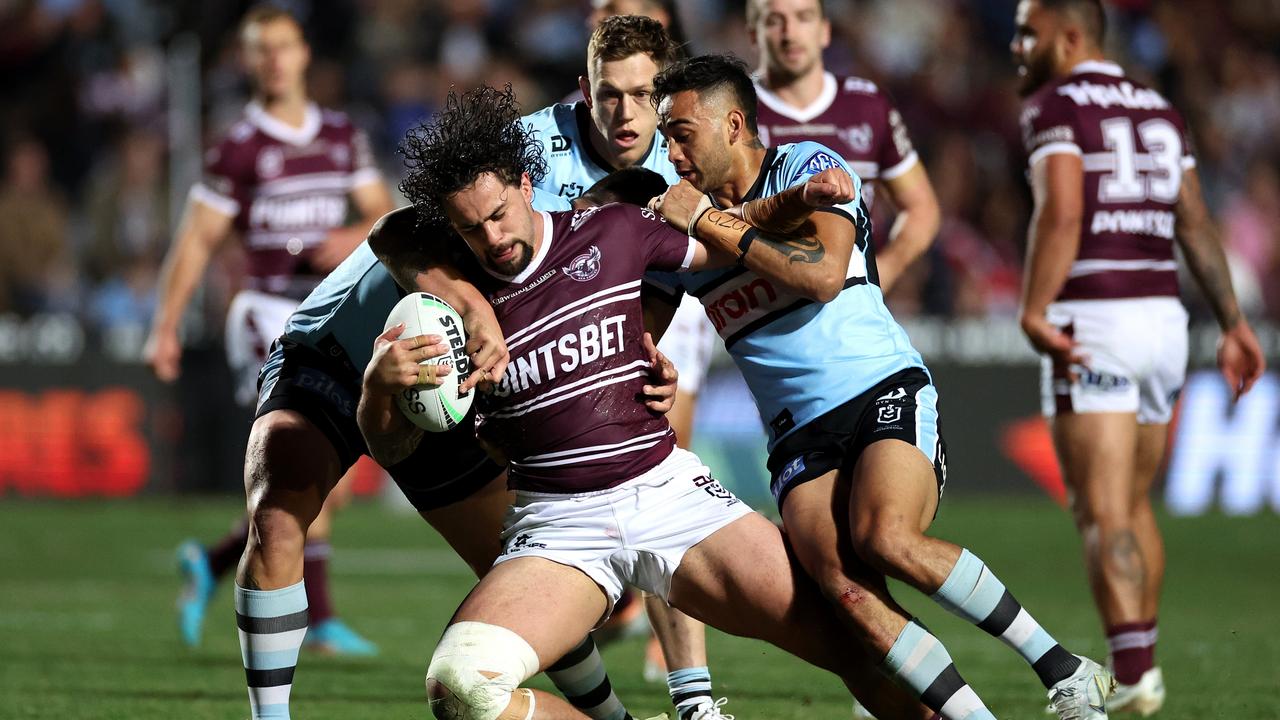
(104, 104)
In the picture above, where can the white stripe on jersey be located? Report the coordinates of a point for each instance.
(1090, 267)
(1106, 162)
(317, 182)
(634, 445)
(594, 448)
(267, 240)
(206, 195)
(562, 393)
(532, 329)
(865, 169)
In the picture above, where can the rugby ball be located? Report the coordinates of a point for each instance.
(443, 407)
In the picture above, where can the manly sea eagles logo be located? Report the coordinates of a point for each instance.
(586, 266)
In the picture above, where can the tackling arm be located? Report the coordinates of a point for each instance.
(804, 251)
(1240, 357)
(418, 262)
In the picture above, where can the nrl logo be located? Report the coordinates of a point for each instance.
(586, 266)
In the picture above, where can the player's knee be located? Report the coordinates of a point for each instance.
(476, 671)
(287, 452)
(887, 545)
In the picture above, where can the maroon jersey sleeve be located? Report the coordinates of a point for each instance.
(661, 246)
(664, 247)
(228, 174)
(1049, 127)
(895, 154)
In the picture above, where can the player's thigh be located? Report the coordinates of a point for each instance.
(290, 464)
(894, 488)
(741, 580)
(1097, 452)
(550, 605)
(473, 526)
(817, 528)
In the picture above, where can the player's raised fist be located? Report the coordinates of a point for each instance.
(681, 204)
(832, 186)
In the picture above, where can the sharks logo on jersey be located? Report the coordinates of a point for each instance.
(573, 165)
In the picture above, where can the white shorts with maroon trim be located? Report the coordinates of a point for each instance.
(635, 533)
(254, 320)
(1136, 358)
(688, 343)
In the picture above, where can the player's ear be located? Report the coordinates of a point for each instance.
(526, 188)
(736, 123)
(825, 35)
(585, 86)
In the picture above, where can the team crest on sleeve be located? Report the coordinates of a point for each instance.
(817, 162)
(586, 266)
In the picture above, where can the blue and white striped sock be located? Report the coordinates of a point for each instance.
(690, 689)
(272, 624)
(920, 662)
(581, 678)
(974, 593)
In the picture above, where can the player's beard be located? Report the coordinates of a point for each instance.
(516, 265)
(1039, 70)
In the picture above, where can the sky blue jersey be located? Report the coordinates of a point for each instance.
(801, 358)
(573, 165)
(350, 306)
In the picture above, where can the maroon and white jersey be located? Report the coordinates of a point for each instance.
(286, 187)
(1134, 147)
(851, 116)
(567, 413)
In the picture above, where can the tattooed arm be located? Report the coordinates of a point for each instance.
(1240, 357)
(395, 367)
(811, 260)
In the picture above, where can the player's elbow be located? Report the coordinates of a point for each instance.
(825, 287)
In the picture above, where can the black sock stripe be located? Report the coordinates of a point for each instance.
(1005, 612)
(947, 683)
(268, 678)
(593, 697)
(683, 695)
(268, 626)
(1055, 665)
(574, 656)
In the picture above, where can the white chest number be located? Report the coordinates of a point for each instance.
(1153, 175)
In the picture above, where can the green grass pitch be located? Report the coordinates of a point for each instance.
(87, 626)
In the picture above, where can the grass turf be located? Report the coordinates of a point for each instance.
(87, 626)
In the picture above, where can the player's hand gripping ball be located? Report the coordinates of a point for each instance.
(442, 407)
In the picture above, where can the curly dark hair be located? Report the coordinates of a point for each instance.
(476, 132)
(708, 73)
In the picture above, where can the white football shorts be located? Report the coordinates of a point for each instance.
(254, 320)
(633, 534)
(688, 343)
(1136, 358)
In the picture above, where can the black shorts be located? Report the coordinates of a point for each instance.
(904, 406)
(324, 387)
